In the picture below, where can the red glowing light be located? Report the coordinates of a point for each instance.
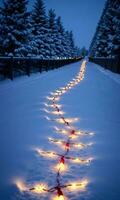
(71, 133)
(62, 160)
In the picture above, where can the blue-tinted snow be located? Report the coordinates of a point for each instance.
(96, 100)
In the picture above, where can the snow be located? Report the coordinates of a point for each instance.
(114, 76)
(23, 126)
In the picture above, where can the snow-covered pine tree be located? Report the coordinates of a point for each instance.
(67, 44)
(115, 10)
(77, 52)
(72, 44)
(55, 43)
(14, 27)
(105, 45)
(61, 37)
(95, 47)
(106, 41)
(39, 39)
(84, 51)
(1, 40)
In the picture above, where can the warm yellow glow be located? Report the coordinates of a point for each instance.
(81, 145)
(50, 98)
(61, 167)
(72, 133)
(61, 121)
(67, 120)
(54, 112)
(55, 140)
(56, 93)
(39, 188)
(79, 132)
(62, 88)
(82, 161)
(72, 120)
(62, 131)
(73, 136)
(61, 197)
(20, 185)
(82, 133)
(53, 98)
(52, 106)
(57, 113)
(80, 185)
(48, 154)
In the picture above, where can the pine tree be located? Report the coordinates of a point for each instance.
(60, 37)
(106, 41)
(115, 10)
(95, 44)
(1, 40)
(72, 44)
(84, 51)
(14, 27)
(53, 39)
(39, 38)
(67, 44)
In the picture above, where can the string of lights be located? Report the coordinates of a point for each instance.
(53, 108)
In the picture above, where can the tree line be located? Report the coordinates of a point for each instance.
(106, 41)
(34, 33)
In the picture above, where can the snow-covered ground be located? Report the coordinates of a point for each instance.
(96, 101)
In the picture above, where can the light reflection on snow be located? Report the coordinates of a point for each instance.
(71, 133)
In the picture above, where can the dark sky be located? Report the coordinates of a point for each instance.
(81, 16)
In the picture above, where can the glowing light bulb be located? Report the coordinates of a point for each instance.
(82, 161)
(53, 98)
(39, 188)
(80, 185)
(50, 98)
(48, 154)
(79, 145)
(61, 166)
(61, 121)
(72, 120)
(57, 112)
(61, 197)
(55, 141)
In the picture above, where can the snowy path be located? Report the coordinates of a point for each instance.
(95, 101)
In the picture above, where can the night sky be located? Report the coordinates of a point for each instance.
(81, 16)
